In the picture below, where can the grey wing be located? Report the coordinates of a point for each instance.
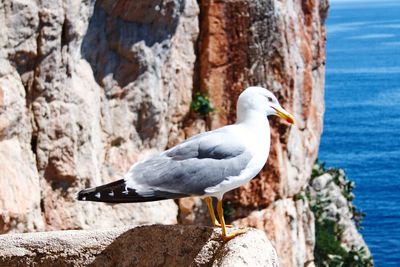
(192, 166)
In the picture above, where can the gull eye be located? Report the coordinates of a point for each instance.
(269, 99)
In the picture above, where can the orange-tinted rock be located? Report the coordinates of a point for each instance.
(224, 27)
(271, 44)
(290, 227)
(278, 45)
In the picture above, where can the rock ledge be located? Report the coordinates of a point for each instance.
(155, 245)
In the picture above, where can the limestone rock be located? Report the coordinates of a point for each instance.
(337, 208)
(321, 182)
(86, 89)
(19, 189)
(154, 245)
(19, 179)
(290, 227)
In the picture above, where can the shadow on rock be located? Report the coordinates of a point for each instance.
(161, 245)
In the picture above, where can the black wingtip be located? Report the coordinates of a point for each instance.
(82, 195)
(79, 196)
(118, 192)
(101, 193)
(115, 192)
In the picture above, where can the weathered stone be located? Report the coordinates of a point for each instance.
(154, 245)
(321, 182)
(290, 227)
(19, 179)
(337, 208)
(86, 90)
(193, 210)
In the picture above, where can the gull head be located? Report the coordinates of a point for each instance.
(260, 102)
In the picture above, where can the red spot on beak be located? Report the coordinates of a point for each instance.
(290, 120)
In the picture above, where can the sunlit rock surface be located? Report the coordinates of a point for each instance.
(330, 196)
(86, 89)
(154, 245)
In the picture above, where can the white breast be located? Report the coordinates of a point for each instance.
(257, 141)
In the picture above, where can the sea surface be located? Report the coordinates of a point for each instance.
(362, 118)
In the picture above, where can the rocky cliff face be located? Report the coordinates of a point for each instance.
(338, 240)
(86, 89)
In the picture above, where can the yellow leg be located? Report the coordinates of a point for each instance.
(225, 235)
(211, 211)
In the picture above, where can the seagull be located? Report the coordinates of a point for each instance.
(206, 165)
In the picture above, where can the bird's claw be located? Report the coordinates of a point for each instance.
(220, 226)
(234, 234)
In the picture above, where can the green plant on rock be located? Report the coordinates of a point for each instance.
(318, 169)
(201, 104)
(228, 209)
(358, 258)
(358, 217)
(328, 250)
(318, 204)
(300, 196)
(347, 186)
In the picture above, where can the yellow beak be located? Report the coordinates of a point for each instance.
(280, 112)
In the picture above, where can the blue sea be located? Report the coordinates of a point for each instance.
(362, 118)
